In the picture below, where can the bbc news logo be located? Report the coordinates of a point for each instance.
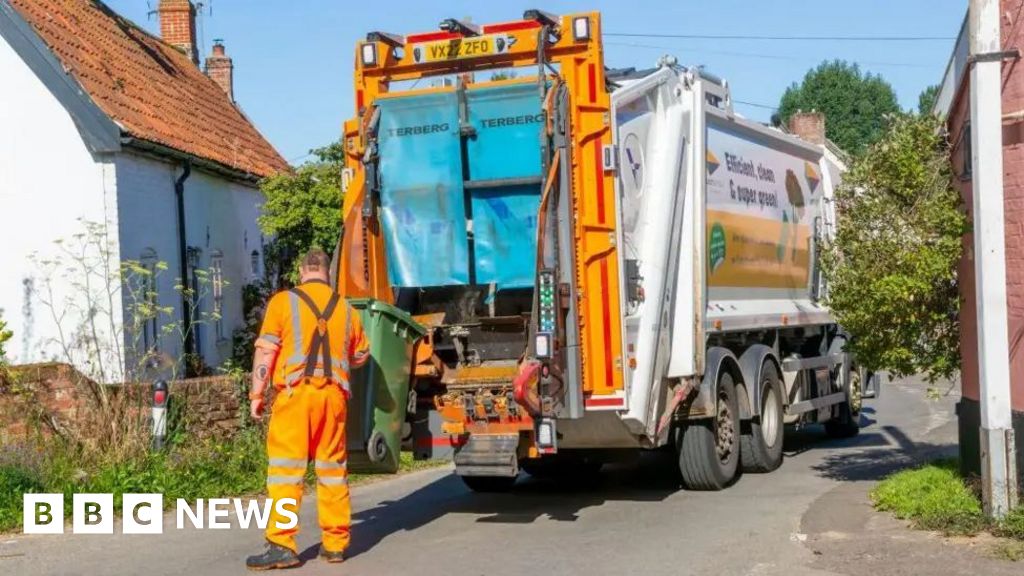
(144, 513)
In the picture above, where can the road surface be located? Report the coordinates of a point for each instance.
(810, 517)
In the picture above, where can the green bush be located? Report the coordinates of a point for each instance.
(933, 497)
(892, 267)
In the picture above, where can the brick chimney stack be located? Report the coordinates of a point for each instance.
(221, 69)
(809, 126)
(178, 26)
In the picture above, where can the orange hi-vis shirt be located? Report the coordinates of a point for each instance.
(289, 327)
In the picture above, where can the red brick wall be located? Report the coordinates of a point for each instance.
(1013, 190)
(212, 406)
(178, 25)
(220, 69)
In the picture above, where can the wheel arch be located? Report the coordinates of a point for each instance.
(751, 364)
(716, 360)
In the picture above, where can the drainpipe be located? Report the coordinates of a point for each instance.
(186, 300)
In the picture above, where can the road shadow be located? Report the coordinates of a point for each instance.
(649, 480)
(876, 455)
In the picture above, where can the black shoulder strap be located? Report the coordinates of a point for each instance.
(321, 341)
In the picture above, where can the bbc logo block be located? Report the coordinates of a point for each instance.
(93, 514)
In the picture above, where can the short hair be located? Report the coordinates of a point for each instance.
(315, 259)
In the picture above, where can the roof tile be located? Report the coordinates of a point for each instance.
(152, 90)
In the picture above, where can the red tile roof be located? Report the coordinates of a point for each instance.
(153, 91)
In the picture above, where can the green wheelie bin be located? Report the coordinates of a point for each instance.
(380, 388)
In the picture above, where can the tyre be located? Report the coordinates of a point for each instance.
(709, 450)
(761, 448)
(489, 484)
(846, 421)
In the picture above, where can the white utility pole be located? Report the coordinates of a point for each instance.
(998, 462)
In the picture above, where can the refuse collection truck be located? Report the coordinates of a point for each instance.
(603, 261)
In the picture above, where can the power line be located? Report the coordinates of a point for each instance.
(756, 105)
(762, 56)
(785, 38)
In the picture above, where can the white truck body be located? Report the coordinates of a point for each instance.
(722, 217)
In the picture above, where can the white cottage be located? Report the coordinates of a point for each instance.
(106, 127)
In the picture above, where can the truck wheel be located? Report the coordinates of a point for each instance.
(709, 449)
(761, 448)
(846, 422)
(489, 483)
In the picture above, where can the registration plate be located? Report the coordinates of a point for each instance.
(460, 48)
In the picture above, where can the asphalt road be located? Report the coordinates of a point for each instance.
(634, 521)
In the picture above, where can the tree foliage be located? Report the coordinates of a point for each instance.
(303, 208)
(891, 269)
(5, 335)
(926, 100)
(854, 103)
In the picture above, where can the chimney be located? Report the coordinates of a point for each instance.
(220, 68)
(178, 26)
(809, 126)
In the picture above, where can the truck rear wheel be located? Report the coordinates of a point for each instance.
(709, 450)
(489, 484)
(761, 448)
(846, 422)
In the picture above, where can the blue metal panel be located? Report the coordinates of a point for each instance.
(422, 204)
(508, 122)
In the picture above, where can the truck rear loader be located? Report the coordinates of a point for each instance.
(604, 261)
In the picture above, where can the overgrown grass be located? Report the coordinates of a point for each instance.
(936, 497)
(933, 497)
(186, 469)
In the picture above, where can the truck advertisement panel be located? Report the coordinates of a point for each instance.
(761, 205)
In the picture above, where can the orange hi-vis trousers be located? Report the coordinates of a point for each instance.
(308, 422)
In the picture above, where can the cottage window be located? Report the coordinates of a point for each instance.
(217, 287)
(255, 262)
(148, 306)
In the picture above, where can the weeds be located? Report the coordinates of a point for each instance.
(187, 469)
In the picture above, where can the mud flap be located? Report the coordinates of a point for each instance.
(488, 455)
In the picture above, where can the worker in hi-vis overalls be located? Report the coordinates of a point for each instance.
(309, 341)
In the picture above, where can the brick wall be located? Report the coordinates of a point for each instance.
(59, 396)
(1013, 191)
(220, 69)
(178, 26)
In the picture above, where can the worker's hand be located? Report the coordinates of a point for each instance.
(256, 409)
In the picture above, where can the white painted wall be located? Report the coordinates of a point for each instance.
(49, 181)
(220, 216)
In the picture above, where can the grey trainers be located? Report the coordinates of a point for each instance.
(275, 556)
(331, 557)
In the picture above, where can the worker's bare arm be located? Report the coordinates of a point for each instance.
(262, 367)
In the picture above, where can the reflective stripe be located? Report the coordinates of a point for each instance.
(296, 329)
(327, 465)
(332, 480)
(287, 462)
(289, 480)
(271, 338)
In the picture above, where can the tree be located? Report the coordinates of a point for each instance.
(926, 100)
(855, 104)
(303, 208)
(891, 270)
(5, 335)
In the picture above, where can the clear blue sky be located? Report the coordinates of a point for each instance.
(293, 59)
